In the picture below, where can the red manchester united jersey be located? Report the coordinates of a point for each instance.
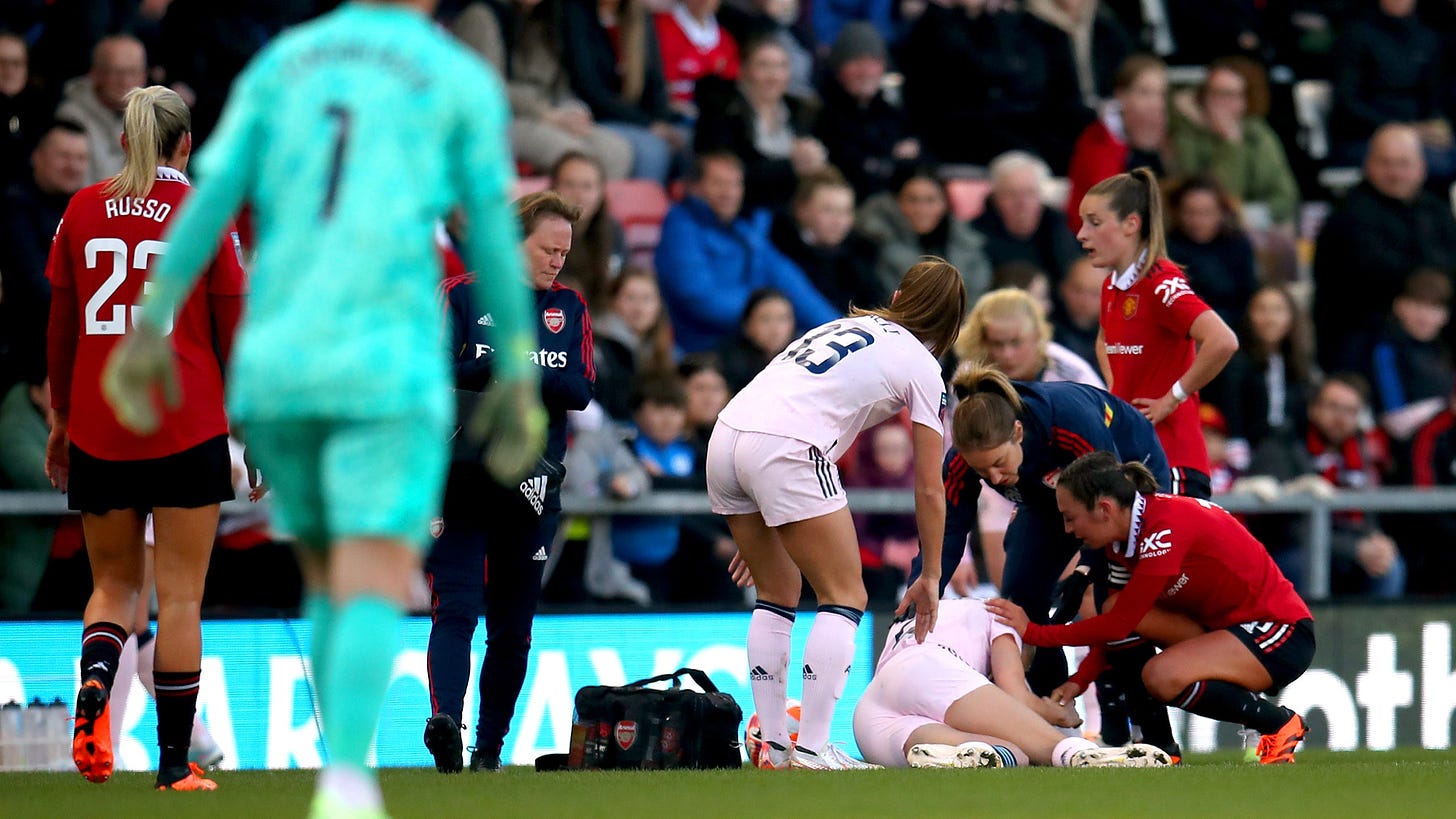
(1213, 570)
(100, 255)
(1145, 325)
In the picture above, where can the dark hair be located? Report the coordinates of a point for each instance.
(593, 243)
(533, 208)
(658, 387)
(758, 297)
(702, 160)
(659, 347)
(1135, 66)
(1099, 475)
(931, 301)
(927, 172)
(760, 40)
(1428, 285)
(988, 410)
(697, 363)
(65, 126)
(575, 156)
(811, 183)
(1228, 222)
(1017, 273)
(1136, 192)
(1297, 346)
(1353, 381)
(1256, 83)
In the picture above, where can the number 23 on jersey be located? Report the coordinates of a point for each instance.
(101, 318)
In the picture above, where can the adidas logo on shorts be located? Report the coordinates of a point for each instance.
(535, 491)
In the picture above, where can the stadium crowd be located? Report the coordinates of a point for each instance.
(748, 170)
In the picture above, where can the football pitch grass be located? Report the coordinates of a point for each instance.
(1402, 783)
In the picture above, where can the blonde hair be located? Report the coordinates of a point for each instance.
(989, 405)
(1137, 192)
(155, 121)
(931, 301)
(1001, 305)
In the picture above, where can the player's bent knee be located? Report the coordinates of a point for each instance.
(1163, 679)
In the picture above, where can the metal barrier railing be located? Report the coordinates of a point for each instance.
(901, 501)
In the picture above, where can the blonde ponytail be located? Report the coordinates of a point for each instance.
(155, 120)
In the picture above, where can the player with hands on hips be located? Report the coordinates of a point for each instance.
(350, 137)
(1193, 580)
(1159, 343)
(771, 472)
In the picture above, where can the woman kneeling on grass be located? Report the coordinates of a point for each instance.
(1193, 580)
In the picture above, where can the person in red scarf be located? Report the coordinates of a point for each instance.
(1364, 559)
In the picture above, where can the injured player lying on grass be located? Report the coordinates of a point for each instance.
(960, 700)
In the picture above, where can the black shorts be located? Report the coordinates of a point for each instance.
(1191, 483)
(1284, 649)
(200, 476)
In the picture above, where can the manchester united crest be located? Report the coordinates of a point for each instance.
(1129, 307)
(554, 318)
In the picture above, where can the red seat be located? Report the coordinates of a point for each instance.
(640, 205)
(968, 197)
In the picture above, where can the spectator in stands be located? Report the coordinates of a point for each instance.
(1410, 364)
(23, 112)
(693, 46)
(1213, 132)
(1026, 276)
(710, 260)
(25, 541)
(981, 80)
(1263, 392)
(522, 39)
(96, 100)
(1387, 69)
(760, 124)
(1222, 474)
(1007, 329)
(888, 543)
(765, 330)
(780, 21)
(631, 336)
(648, 543)
(1131, 131)
(29, 215)
(1427, 537)
(1205, 236)
(1364, 559)
(599, 245)
(817, 234)
(1094, 36)
(1074, 316)
(615, 67)
(600, 464)
(917, 221)
(1387, 227)
(1017, 226)
(868, 137)
(707, 394)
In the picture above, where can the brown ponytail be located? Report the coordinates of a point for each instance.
(1137, 192)
(989, 406)
(1099, 475)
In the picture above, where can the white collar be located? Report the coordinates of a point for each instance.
(172, 175)
(1129, 277)
(704, 36)
(1139, 505)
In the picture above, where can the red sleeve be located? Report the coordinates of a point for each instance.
(226, 276)
(1178, 305)
(227, 314)
(1133, 603)
(1091, 668)
(61, 340)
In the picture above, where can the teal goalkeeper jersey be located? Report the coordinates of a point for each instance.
(350, 137)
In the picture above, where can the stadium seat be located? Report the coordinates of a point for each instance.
(530, 184)
(640, 205)
(968, 197)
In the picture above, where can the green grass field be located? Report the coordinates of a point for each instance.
(1404, 783)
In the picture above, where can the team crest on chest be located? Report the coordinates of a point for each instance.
(1129, 307)
(554, 318)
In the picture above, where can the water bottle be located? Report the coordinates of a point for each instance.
(58, 719)
(12, 721)
(37, 736)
